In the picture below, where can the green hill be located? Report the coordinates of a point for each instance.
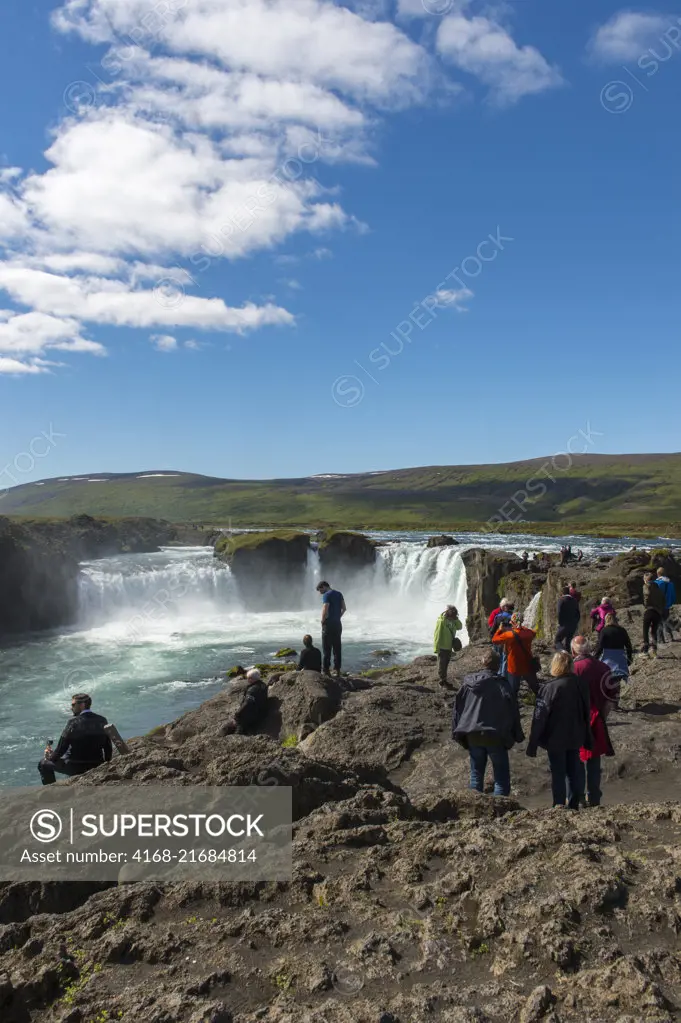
(604, 492)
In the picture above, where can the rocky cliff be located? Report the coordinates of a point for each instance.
(484, 572)
(411, 899)
(269, 568)
(39, 563)
(342, 552)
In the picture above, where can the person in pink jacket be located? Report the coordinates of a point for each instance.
(598, 614)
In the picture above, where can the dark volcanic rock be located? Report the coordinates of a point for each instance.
(38, 582)
(303, 700)
(484, 572)
(383, 725)
(341, 552)
(269, 569)
(415, 904)
(441, 541)
(39, 564)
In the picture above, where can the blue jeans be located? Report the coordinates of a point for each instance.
(567, 770)
(500, 765)
(592, 776)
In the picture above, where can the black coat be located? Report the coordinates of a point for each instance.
(568, 612)
(486, 704)
(254, 707)
(614, 637)
(84, 741)
(310, 659)
(562, 716)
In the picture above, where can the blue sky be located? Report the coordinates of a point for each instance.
(215, 213)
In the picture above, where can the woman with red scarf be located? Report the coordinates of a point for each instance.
(604, 692)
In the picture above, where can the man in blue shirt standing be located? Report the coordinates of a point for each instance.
(333, 609)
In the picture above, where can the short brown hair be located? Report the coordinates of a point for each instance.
(561, 664)
(491, 660)
(82, 698)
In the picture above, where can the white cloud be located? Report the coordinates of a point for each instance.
(292, 283)
(13, 367)
(13, 217)
(91, 262)
(200, 142)
(164, 342)
(30, 334)
(294, 40)
(453, 297)
(627, 35)
(101, 300)
(408, 9)
(485, 49)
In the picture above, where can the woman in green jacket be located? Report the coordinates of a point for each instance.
(446, 628)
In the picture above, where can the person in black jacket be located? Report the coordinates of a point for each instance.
(486, 722)
(310, 657)
(83, 744)
(254, 706)
(568, 620)
(562, 726)
(614, 647)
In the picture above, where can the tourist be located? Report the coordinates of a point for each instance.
(505, 607)
(445, 640)
(500, 618)
(669, 591)
(561, 726)
(310, 657)
(654, 607)
(516, 641)
(614, 648)
(603, 696)
(333, 609)
(563, 557)
(254, 706)
(486, 722)
(84, 743)
(580, 555)
(568, 619)
(526, 559)
(574, 592)
(599, 613)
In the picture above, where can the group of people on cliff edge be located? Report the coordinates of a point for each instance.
(569, 722)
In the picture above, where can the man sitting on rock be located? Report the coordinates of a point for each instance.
(254, 706)
(486, 722)
(310, 657)
(83, 744)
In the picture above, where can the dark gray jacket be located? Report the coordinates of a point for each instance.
(486, 704)
(568, 612)
(562, 716)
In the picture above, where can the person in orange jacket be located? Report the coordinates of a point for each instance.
(521, 664)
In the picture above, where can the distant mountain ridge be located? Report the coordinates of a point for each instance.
(593, 489)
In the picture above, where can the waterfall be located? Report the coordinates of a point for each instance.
(530, 616)
(418, 582)
(173, 581)
(401, 595)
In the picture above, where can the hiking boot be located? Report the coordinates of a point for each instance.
(652, 654)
